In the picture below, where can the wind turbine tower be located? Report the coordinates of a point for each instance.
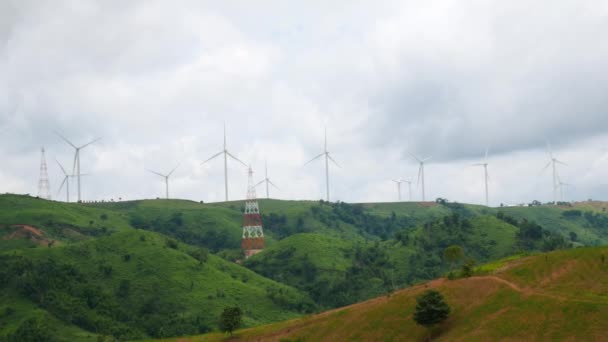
(166, 177)
(226, 155)
(398, 182)
(409, 187)
(77, 161)
(561, 186)
(421, 173)
(485, 172)
(44, 188)
(328, 157)
(553, 163)
(267, 181)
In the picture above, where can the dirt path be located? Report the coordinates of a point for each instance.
(531, 292)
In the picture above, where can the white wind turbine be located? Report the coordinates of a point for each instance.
(77, 160)
(398, 183)
(226, 155)
(409, 187)
(327, 159)
(166, 177)
(553, 162)
(421, 172)
(267, 181)
(485, 172)
(561, 186)
(66, 182)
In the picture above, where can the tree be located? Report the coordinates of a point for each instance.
(467, 268)
(453, 254)
(230, 319)
(200, 254)
(431, 309)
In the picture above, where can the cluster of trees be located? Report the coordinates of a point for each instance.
(596, 220)
(174, 225)
(428, 260)
(370, 274)
(280, 228)
(354, 214)
(532, 236)
(79, 298)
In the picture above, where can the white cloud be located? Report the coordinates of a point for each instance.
(157, 80)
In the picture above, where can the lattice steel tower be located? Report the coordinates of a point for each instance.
(253, 235)
(44, 189)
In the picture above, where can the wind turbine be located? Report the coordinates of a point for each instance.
(266, 180)
(66, 181)
(421, 172)
(485, 172)
(226, 155)
(398, 182)
(553, 162)
(166, 177)
(409, 186)
(327, 159)
(561, 186)
(77, 159)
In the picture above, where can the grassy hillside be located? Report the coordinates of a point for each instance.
(334, 254)
(134, 284)
(555, 296)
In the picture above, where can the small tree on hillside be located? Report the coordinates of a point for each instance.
(431, 309)
(453, 254)
(468, 268)
(230, 319)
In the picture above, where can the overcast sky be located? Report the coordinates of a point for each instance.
(158, 79)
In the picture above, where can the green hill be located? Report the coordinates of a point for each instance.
(320, 255)
(554, 297)
(133, 284)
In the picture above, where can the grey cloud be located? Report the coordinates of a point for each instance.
(157, 80)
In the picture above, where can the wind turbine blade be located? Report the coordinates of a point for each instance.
(546, 166)
(271, 183)
(486, 156)
(325, 145)
(62, 184)
(156, 173)
(413, 156)
(175, 168)
(427, 158)
(560, 162)
(319, 156)
(237, 159)
(260, 182)
(215, 155)
(91, 142)
(66, 140)
(477, 164)
(419, 175)
(75, 158)
(62, 169)
(332, 159)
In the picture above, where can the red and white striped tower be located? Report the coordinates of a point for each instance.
(253, 235)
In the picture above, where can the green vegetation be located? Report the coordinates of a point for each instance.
(159, 268)
(230, 319)
(431, 309)
(551, 296)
